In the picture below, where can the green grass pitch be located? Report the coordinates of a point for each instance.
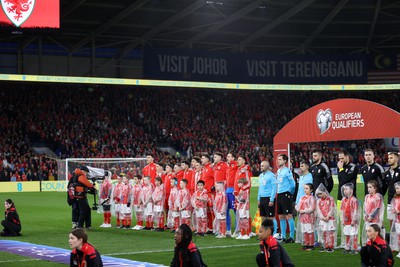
(46, 220)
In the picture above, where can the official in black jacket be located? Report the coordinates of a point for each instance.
(392, 175)
(373, 171)
(347, 172)
(320, 172)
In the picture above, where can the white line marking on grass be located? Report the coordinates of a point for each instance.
(20, 260)
(171, 250)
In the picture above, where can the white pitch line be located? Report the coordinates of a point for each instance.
(171, 250)
(25, 260)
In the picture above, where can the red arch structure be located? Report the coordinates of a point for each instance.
(336, 120)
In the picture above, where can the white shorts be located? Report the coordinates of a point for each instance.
(200, 213)
(117, 207)
(185, 214)
(350, 230)
(390, 214)
(125, 209)
(327, 226)
(244, 214)
(219, 216)
(158, 208)
(397, 227)
(307, 228)
(148, 210)
(137, 208)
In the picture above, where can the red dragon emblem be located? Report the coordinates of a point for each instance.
(18, 10)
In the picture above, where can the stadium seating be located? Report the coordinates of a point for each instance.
(105, 121)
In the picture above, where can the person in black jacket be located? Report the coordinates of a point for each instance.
(320, 172)
(272, 253)
(392, 175)
(373, 171)
(347, 173)
(11, 224)
(83, 253)
(82, 186)
(376, 252)
(186, 254)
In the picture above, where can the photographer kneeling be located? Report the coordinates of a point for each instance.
(82, 185)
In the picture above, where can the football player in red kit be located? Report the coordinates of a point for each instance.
(150, 169)
(208, 178)
(230, 181)
(188, 174)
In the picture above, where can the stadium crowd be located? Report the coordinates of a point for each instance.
(104, 121)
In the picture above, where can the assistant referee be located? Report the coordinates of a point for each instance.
(267, 193)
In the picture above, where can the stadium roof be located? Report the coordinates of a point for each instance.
(272, 26)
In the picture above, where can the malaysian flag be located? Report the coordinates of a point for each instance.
(384, 69)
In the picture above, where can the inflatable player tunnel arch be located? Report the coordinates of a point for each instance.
(336, 120)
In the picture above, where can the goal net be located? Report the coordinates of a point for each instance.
(128, 166)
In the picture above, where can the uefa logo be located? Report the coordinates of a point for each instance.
(324, 120)
(17, 11)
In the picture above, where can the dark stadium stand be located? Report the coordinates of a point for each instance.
(104, 121)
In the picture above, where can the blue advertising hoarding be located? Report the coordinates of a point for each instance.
(198, 65)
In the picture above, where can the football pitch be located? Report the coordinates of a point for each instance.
(46, 220)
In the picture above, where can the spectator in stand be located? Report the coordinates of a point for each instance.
(131, 131)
